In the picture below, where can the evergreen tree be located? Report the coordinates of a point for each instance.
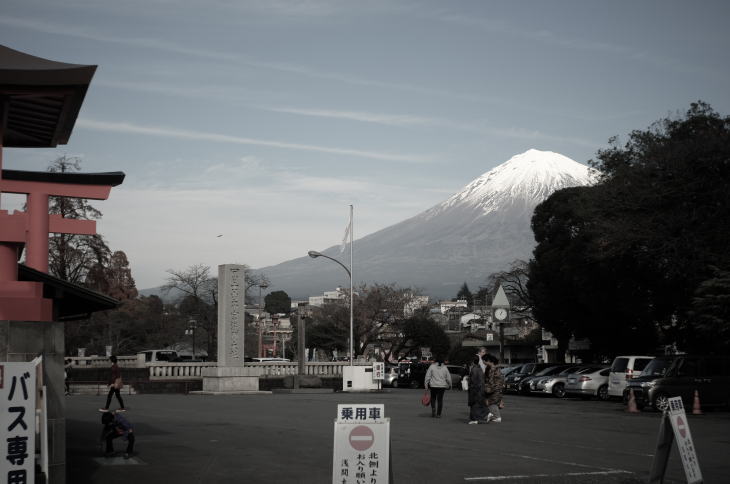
(465, 293)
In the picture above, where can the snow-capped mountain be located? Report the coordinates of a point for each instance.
(476, 232)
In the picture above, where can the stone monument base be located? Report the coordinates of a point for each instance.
(230, 380)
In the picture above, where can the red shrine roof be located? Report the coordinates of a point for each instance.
(43, 98)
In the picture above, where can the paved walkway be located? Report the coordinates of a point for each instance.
(287, 438)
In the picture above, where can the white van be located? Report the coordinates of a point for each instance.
(157, 356)
(623, 369)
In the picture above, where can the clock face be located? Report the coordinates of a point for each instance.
(500, 314)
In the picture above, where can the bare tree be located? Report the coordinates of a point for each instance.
(200, 296)
(514, 282)
(378, 316)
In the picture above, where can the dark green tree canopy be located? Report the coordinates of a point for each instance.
(277, 302)
(465, 293)
(621, 261)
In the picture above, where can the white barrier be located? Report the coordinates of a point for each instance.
(133, 361)
(193, 371)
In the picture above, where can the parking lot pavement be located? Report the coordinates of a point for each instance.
(283, 438)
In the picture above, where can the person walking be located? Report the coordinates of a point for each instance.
(477, 406)
(67, 375)
(493, 388)
(115, 385)
(438, 379)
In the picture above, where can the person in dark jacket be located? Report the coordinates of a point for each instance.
(115, 385)
(493, 388)
(115, 426)
(477, 406)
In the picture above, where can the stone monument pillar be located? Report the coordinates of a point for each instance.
(230, 376)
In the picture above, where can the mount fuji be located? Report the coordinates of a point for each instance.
(477, 231)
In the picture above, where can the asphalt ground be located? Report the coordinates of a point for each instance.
(288, 438)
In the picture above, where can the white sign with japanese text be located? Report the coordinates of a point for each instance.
(361, 453)
(378, 370)
(17, 418)
(686, 447)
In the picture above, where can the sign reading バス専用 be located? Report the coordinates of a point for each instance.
(17, 419)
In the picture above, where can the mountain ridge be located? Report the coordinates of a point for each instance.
(479, 230)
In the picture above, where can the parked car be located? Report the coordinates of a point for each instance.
(589, 382)
(390, 376)
(457, 373)
(529, 384)
(157, 356)
(681, 376)
(623, 369)
(512, 381)
(553, 384)
(411, 375)
(506, 370)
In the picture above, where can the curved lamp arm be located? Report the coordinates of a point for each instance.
(314, 254)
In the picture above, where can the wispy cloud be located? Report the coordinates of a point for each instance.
(551, 38)
(406, 120)
(218, 55)
(167, 132)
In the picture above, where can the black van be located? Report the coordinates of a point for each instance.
(679, 376)
(411, 375)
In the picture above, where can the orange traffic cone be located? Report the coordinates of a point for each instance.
(696, 409)
(631, 406)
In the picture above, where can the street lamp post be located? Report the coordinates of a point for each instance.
(191, 332)
(262, 285)
(314, 254)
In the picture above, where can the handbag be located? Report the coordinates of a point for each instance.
(465, 384)
(118, 383)
(426, 399)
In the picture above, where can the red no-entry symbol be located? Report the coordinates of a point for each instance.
(680, 426)
(361, 438)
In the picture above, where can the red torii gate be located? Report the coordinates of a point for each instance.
(20, 300)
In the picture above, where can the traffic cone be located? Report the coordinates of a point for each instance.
(696, 409)
(631, 406)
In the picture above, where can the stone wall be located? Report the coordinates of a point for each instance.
(23, 341)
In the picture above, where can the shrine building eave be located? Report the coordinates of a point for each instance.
(41, 98)
(70, 301)
(110, 179)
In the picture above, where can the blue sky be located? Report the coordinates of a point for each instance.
(263, 120)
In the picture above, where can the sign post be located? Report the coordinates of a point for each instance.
(361, 445)
(379, 372)
(674, 426)
(18, 421)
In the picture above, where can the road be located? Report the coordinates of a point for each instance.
(288, 438)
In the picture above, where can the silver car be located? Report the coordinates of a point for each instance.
(390, 376)
(553, 384)
(589, 382)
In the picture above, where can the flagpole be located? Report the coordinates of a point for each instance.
(352, 227)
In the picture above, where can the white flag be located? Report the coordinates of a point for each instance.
(347, 234)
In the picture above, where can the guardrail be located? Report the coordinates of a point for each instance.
(133, 361)
(193, 371)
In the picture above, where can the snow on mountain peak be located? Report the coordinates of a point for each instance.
(531, 176)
